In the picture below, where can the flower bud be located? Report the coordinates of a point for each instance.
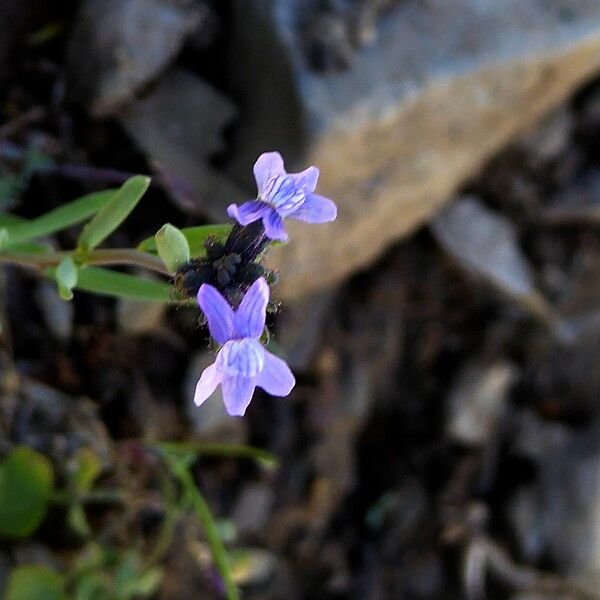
(173, 247)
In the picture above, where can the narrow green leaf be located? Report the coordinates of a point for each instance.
(8, 219)
(34, 582)
(196, 236)
(115, 212)
(25, 487)
(30, 248)
(120, 285)
(60, 218)
(3, 237)
(173, 247)
(66, 274)
(262, 457)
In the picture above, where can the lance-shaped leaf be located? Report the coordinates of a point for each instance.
(66, 277)
(67, 215)
(115, 212)
(121, 285)
(172, 247)
(196, 237)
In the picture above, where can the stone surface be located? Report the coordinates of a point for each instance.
(118, 46)
(444, 87)
(179, 126)
(558, 514)
(477, 402)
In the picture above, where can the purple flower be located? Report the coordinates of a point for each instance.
(242, 362)
(282, 194)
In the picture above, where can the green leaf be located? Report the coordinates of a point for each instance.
(60, 218)
(93, 586)
(30, 248)
(8, 219)
(78, 520)
(120, 285)
(34, 582)
(25, 486)
(172, 247)
(3, 237)
(87, 468)
(196, 237)
(115, 212)
(66, 274)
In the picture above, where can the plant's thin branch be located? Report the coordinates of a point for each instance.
(116, 256)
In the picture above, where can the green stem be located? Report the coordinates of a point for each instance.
(202, 510)
(165, 537)
(116, 256)
(264, 458)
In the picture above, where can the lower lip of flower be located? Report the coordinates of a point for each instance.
(243, 357)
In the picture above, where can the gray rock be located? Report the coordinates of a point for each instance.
(57, 313)
(444, 87)
(299, 327)
(253, 507)
(179, 126)
(137, 316)
(558, 514)
(477, 402)
(486, 244)
(118, 46)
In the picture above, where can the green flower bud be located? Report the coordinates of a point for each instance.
(172, 247)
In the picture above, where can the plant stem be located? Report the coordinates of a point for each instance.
(264, 458)
(116, 256)
(202, 510)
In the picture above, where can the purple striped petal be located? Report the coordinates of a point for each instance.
(274, 227)
(276, 377)
(316, 209)
(249, 319)
(268, 166)
(248, 212)
(237, 393)
(244, 357)
(306, 180)
(217, 311)
(209, 380)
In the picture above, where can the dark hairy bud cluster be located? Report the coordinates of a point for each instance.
(230, 267)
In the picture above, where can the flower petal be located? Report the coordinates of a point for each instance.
(237, 393)
(307, 179)
(217, 311)
(249, 319)
(248, 212)
(276, 378)
(209, 380)
(274, 227)
(316, 209)
(268, 166)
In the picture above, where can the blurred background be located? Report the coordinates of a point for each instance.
(443, 440)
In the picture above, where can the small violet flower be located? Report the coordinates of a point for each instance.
(282, 194)
(242, 363)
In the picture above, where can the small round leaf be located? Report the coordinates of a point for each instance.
(25, 487)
